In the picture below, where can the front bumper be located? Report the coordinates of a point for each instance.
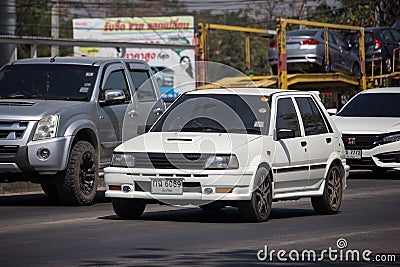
(25, 159)
(384, 156)
(198, 188)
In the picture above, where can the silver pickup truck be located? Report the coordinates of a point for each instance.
(61, 118)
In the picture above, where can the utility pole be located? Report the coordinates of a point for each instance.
(55, 26)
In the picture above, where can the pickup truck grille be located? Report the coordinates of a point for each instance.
(11, 130)
(8, 150)
(170, 160)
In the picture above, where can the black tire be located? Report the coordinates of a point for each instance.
(258, 208)
(387, 63)
(356, 70)
(128, 208)
(326, 67)
(78, 184)
(50, 190)
(330, 201)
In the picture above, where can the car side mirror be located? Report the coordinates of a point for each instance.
(285, 134)
(113, 96)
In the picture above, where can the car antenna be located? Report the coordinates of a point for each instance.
(53, 59)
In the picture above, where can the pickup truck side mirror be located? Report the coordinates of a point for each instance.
(113, 96)
(284, 134)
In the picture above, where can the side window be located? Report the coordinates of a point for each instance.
(312, 119)
(117, 80)
(143, 85)
(286, 117)
(396, 35)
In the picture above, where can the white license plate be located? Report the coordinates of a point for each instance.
(353, 154)
(167, 186)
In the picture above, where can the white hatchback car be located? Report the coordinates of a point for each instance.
(241, 147)
(370, 124)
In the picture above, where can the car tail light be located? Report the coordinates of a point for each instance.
(274, 43)
(378, 44)
(309, 42)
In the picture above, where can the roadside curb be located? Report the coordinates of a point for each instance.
(19, 187)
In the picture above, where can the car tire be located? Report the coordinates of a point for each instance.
(128, 208)
(355, 70)
(330, 201)
(258, 208)
(77, 185)
(50, 190)
(326, 67)
(387, 63)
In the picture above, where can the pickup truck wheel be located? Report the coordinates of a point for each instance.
(50, 190)
(78, 184)
(128, 208)
(330, 201)
(258, 208)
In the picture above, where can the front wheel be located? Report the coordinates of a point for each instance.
(330, 201)
(78, 184)
(258, 208)
(128, 208)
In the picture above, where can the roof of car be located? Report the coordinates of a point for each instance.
(382, 90)
(74, 60)
(246, 91)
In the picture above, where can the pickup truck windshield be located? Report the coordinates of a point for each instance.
(221, 113)
(48, 81)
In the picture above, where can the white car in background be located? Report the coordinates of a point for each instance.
(370, 125)
(241, 147)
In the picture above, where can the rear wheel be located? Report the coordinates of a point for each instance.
(387, 64)
(78, 184)
(128, 208)
(330, 201)
(356, 70)
(258, 208)
(326, 67)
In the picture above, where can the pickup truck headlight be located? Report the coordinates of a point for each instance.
(122, 160)
(221, 162)
(46, 128)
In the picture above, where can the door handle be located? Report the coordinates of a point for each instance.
(303, 143)
(158, 111)
(133, 113)
(328, 140)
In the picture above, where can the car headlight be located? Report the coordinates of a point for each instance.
(391, 138)
(221, 162)
(122, 160)
(46, 128)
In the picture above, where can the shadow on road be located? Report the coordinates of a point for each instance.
(40, 200)
(226, 215)
(361, 174)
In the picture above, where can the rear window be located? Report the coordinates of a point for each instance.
(373, 105)
(301, 33)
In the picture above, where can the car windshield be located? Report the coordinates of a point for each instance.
(373, 105)
(47, 81)
(222, 113)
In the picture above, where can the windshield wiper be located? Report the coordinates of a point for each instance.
(244, 130)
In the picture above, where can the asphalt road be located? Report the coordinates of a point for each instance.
(36, 231)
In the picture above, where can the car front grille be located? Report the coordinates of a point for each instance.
(8, 150)
(366, 141)
(11, 130)
(170, 160)
(361, 163)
